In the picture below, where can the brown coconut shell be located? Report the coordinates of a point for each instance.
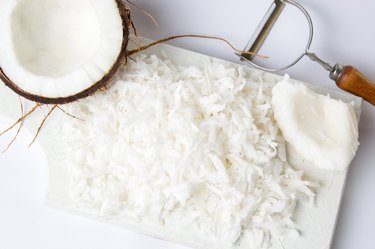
(124, 13)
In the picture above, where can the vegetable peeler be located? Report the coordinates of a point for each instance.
(347, 77)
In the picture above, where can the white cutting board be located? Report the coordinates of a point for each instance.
(316, 222)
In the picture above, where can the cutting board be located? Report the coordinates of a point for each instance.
(316, 222)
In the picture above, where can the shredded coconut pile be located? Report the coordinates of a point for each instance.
(184, 149)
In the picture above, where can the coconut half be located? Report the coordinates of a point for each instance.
(58, 51)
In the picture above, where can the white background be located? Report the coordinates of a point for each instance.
(344, 32)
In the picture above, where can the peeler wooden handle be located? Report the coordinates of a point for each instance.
(352, 80)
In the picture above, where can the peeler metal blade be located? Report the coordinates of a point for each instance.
(263, 29)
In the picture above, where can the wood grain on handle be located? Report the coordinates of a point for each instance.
(353, 81)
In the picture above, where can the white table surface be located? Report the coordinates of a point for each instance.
(344, 32)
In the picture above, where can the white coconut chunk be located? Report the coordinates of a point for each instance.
(57, 48)
(323, 130)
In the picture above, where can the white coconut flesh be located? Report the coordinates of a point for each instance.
(323, 130)
(58, 48)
